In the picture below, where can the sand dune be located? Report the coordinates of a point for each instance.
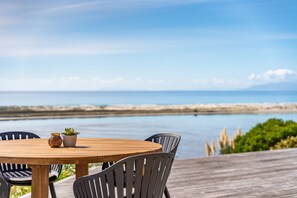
(44, 112)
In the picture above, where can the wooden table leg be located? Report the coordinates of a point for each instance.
(40, 180)
(81, 170)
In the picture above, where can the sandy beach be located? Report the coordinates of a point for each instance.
(49, 112)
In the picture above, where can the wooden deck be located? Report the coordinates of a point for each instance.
(258, 174)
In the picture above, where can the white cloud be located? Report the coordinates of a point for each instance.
(278, 75)
(71, 78)
(108, 5)
(77, 83)
(218, 83)
(102, 82)
(15, 46)
(32, 8)
(73, 83)
(27, 29)
(156, 81)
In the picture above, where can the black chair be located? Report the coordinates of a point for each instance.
(132, 177)
(169, 142)
(21, 174)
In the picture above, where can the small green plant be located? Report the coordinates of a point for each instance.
(70, 131)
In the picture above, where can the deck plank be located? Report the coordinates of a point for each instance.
(257, 174)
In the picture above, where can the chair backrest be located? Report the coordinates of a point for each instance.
(169, 141)
(15, 135)
(137, 176)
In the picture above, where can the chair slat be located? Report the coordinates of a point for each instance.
(130, 177)
(156, 170)
(93, 188)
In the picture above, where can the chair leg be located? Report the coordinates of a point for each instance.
(4, 189)
(166, 192)
(52, 190)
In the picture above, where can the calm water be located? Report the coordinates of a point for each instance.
(157, 97)
(195, 130)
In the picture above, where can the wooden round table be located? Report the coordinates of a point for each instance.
(38, 154)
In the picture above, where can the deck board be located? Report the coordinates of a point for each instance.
(257, 174)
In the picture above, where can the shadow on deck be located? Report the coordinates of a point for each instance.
(257, 174)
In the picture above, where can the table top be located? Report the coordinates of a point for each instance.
(87, 150)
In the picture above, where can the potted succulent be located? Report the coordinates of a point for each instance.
(69, 137)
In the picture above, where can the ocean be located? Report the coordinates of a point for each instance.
(195, 130)
(143, 97)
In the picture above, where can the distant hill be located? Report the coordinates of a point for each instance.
(283, 86)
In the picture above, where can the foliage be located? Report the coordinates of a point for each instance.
(227, 149)
(225, 144)
(70, 131)
(289, 142)
(17, 191)
(265, 135)
(67, 170)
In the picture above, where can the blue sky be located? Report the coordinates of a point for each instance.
(147, 44)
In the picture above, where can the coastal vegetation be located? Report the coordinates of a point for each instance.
(290, 142)
(265, 136)
(226, 145)
(269, 135)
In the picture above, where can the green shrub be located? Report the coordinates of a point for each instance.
(265, 135)
(290, 142)
(226, 150)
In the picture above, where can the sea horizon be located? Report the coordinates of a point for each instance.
(143, 90)
(109, 98)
